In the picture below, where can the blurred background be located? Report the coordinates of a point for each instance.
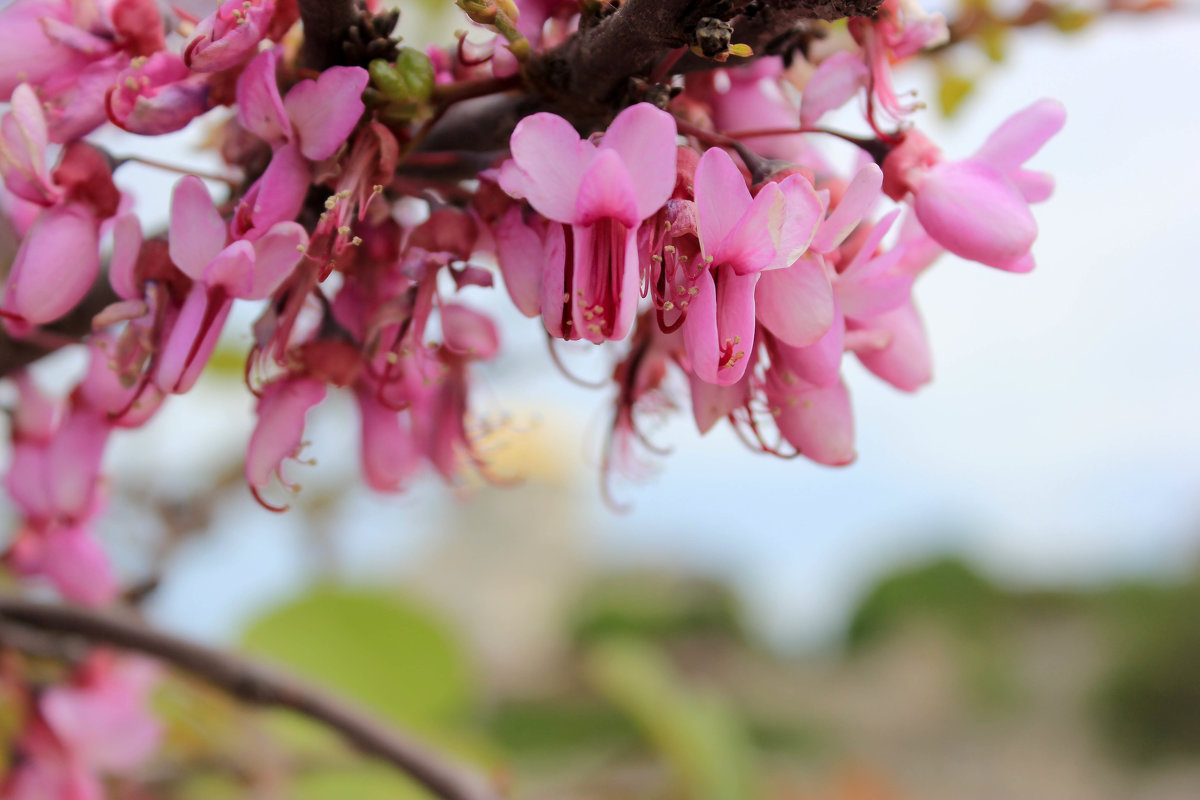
(1000, 599)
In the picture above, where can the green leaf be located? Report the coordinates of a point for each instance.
(698, 736)
(375, 782)
(389, 653)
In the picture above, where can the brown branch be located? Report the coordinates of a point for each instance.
(258, 685)
(326, 23)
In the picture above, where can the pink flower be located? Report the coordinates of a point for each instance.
(316, 116)
(978, 208)
(34, 46)
(98, 724)
(590, 289)
(56, 265)
(23, 141)
(282, 408)
(102, 720)
(200, 248)
(54, 481)
(229, 35)
(739, 238)
(156, 95)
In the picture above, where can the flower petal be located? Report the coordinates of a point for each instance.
(795, 304)
(1020, 136)
(752, 244)
(722, 198)
(644, 137)
(550, 161)
(197, 232)
(55, 266)
(260, 107)
(607, 190)
(972, 211)
(324, 112)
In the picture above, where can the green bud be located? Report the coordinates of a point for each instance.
(407, 84)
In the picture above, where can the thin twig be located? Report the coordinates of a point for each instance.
(256, 684)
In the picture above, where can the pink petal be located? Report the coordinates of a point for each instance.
(554, 274)
(227, 36)
(906, 362)
(197, 232)
(606, 190)
(232, 270)
(795, 304)
(522, 260)
(550, 161)
(711, 404)
(78, 567)
(718, 331)
(722, 198)
(325, 111)
(275, 257)
(969, 209)
(389, 455)
(467, 332)
(644, 137)
(56, 265)
(804, 211)
(1035, 187)
(73, 462)
(856, 202)
(260, 108)
(818, 422)
(23, 140)
(122, 268)
(281, 412)
(1020, 136)
(190, 343)
(752, 244)
(820, 362)
(105, 723)
(277, 196)
(832, 85)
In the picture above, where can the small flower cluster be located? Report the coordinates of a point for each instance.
(705, 236)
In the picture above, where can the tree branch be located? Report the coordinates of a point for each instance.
(255, 684)
(325, 25)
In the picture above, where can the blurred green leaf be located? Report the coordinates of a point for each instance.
(370, 782)
(552, 727)
(656, 606)
(699, 737)
(387, 652)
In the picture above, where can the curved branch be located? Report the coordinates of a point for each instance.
(255, 684)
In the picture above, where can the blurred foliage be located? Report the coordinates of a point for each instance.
(388, 652)
(947, 590)
(1148, 705)
(553, 727)
(695, 732)
(655, 606)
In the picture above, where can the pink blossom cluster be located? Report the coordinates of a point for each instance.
(95, 725)
(707, 240)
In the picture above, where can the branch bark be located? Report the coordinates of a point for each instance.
(255, 684)
(325, 25)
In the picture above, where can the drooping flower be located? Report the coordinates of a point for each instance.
(222, 271)
(978, 208)
(229, 35)
(282, 407)
(602, 192)
(739, 237)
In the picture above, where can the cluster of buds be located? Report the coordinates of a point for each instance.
(706, 240)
